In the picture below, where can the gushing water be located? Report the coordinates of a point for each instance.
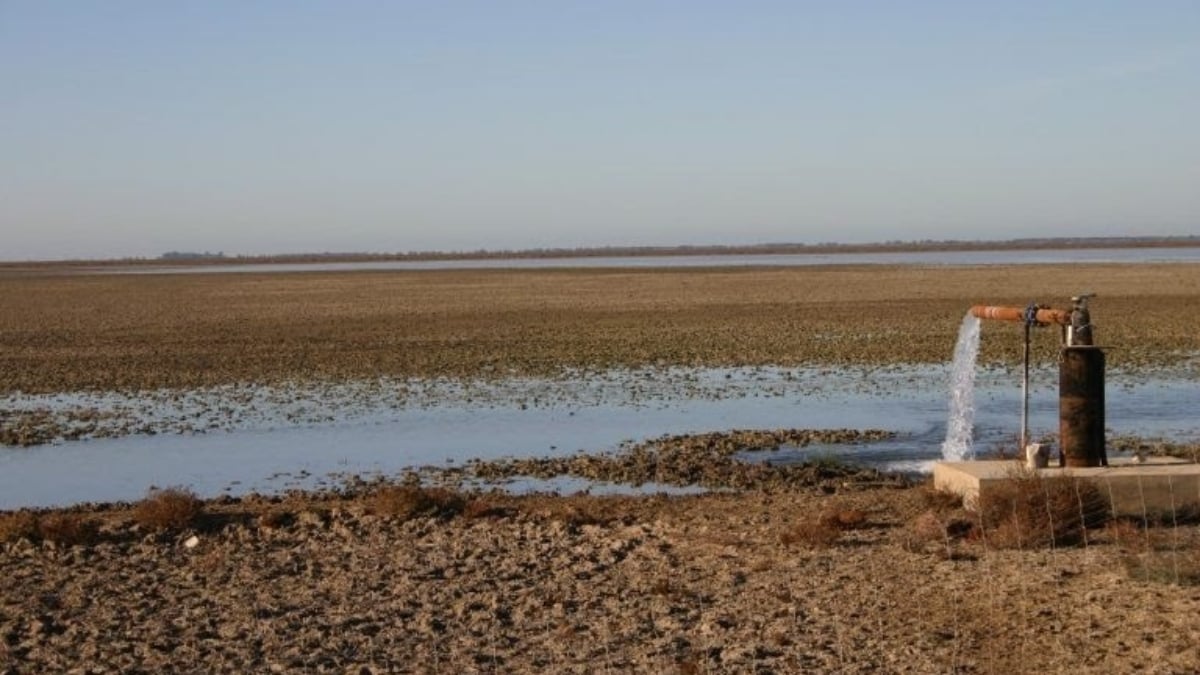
(960, 427)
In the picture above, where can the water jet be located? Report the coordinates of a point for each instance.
(960, 427)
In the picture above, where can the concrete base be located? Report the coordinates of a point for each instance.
(1159, 485)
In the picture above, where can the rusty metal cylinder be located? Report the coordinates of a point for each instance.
(1043, 315)
(1081, 407)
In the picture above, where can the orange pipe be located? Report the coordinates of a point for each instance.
(1044, 316)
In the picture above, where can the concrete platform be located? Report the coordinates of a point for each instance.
(1159, 485)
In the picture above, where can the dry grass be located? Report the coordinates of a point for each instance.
(939, 501)
(928, 531)
(275, 519)
(65, 528)
(827, 526)
(18, 525)
(69, 529)
(934, 521)
(1137, 536)
(811, 534)
(484, 508)
(410, 501)
(168, 509)
(1180, 568)
(1126, 534)
(1154, 552)
(581, 509)
(1028, 511)
(70, 332)
(844, 518)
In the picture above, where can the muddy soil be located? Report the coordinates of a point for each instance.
(68, 332)
(713, 583)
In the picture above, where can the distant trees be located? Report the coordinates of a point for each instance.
(191, 255)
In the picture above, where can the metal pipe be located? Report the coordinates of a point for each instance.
(1044, 315)
(1025, 399)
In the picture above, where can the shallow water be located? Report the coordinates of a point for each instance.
(1027, 257)
(380, 428)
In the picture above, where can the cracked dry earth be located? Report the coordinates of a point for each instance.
(580, 584)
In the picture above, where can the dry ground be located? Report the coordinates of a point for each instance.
(62, 331)
(730, 583)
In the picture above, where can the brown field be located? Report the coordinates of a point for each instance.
(835, 578)
(819, 568)
(68, 332)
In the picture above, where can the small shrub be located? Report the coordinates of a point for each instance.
(275, 519)
(1029, 511)
(481, 508)
(935, 532)
(410, 501)
(576, 511)
(17, 526)
(1126, 534)
(168, 509)
(580, 514)
(827, 528)
(68, 529)
(844, 518)
(940, 500)
(921, 532)
(812, 534)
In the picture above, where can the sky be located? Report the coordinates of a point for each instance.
(129, 129)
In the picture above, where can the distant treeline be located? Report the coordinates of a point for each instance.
(176, 256)
(893, 246)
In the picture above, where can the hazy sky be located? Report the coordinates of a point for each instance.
(134, 128)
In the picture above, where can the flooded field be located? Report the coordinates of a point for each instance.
(237, 383)
(235, 440)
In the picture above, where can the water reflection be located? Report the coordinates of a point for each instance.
(596, 414)
(1025, 257)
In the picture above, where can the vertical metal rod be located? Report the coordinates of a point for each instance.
(1025, 398)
